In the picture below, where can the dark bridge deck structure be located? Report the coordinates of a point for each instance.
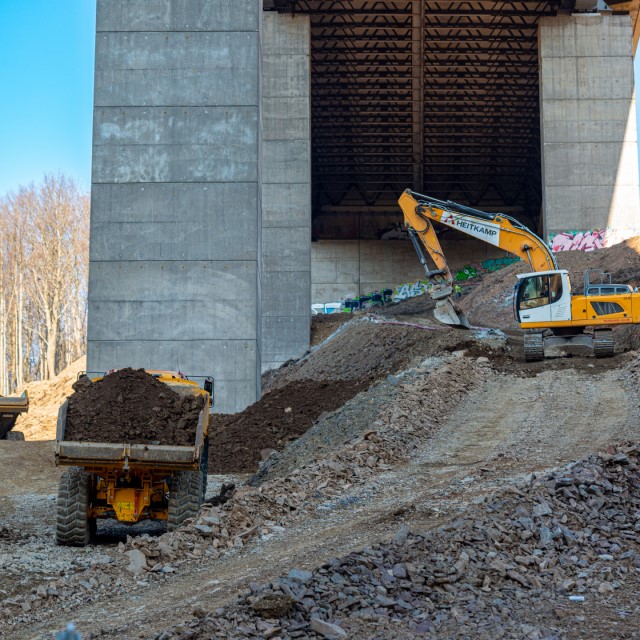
(438, 95)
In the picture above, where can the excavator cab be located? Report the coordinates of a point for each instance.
(542, 298)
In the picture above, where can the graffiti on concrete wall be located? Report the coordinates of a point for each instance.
(578, 240)
(497, 263)
(589, 240)
(408, 289)
(466, 272)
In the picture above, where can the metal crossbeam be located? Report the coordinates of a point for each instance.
(440, 95)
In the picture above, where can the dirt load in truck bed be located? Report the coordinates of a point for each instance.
(130, 405)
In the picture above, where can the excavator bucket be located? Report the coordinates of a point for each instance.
(448, 313)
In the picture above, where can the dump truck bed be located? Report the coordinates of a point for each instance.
(128, 455)
(10, 409)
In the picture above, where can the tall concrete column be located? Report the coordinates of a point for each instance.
(588, 126)
(286, 188)
(175, 221)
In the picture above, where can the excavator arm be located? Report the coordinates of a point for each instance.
(496, 229)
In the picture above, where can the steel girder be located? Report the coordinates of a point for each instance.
(439, 95)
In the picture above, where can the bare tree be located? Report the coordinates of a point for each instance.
(43, 273)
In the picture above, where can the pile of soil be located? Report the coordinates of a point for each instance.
(238, 440)
(363, 353)
(130, 405)
(324, 324)
(369, 350)
(45, 398)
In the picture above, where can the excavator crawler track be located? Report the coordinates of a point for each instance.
(603, 346)
(533, 347)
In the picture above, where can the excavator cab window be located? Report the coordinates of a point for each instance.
(534, 292)
(555, 287)
(538, 291)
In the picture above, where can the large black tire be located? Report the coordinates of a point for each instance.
(15, 435)
(204, 467)
(74, 527)
(185, 497)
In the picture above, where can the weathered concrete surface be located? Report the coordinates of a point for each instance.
(177, 15)
(588, 125)
(286, 189)
(346, 268)
(175, 229)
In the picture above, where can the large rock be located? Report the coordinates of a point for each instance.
(137, 561)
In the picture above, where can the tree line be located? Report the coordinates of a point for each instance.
(44, 263)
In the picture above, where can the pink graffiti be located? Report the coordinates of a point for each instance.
(579, 241)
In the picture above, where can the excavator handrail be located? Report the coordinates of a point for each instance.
(463, 208)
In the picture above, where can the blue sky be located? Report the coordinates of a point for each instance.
(46, 80)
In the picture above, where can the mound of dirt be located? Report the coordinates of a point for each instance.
(324, 324)
(271, 423)
(130, 405)
(359, 354)
(368, 350)
(45, 399)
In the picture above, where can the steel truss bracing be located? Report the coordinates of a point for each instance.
(437, 95)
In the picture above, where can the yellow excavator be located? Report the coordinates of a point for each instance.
(542, 302)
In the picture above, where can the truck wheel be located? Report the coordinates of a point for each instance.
(15, 435)
(185, 497)
(204, 467)
(73, 526)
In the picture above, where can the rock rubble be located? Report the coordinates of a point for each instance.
(507, 569)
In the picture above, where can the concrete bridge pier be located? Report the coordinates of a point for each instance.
(200, 224)
(588, 130)
(286, 188)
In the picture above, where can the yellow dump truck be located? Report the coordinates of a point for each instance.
(131, 482)
(10, 409)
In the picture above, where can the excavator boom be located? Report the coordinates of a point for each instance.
(497, 229)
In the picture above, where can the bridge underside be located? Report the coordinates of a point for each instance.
(441, 96)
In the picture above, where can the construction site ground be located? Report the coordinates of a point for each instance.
(401, 480)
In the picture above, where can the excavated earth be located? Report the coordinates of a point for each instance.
(130, 405)
(402, 480)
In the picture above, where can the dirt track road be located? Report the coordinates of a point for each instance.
(505, 430)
